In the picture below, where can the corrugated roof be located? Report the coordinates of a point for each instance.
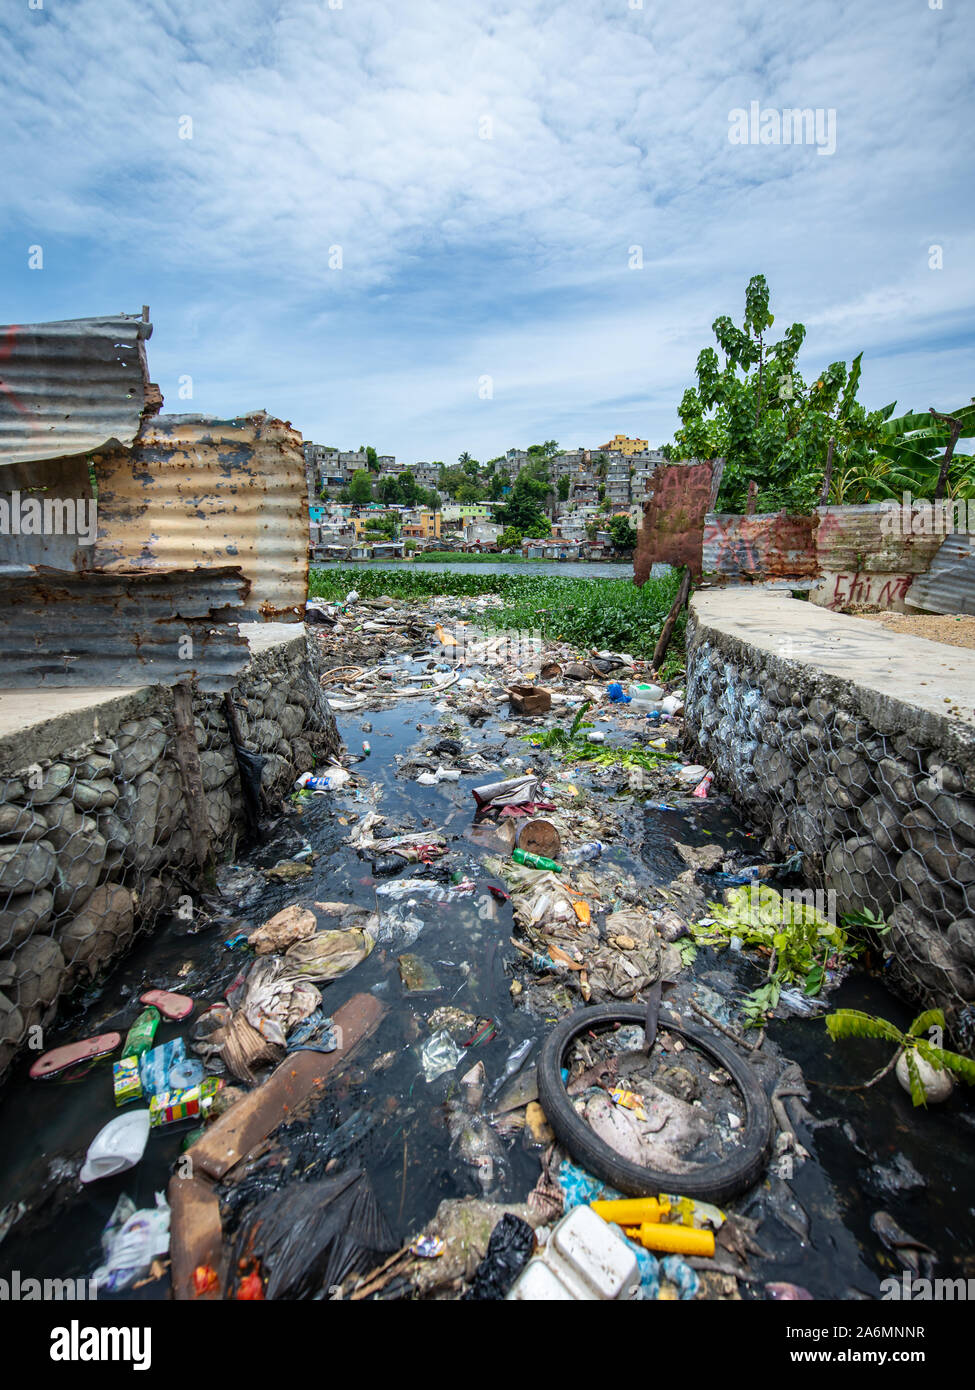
(949, 585)
(67, 388)
(66, 629)
(195, 490)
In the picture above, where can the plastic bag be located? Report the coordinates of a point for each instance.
(309, 1236)
(130, 1242)
(509, 1250)
(439, 1055)
(155, 1066)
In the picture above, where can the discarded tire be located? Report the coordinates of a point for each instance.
(719, 1181)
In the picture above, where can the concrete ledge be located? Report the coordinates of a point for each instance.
(901, 684)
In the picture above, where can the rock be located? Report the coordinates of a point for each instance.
(276, 774)
(53, 782)
(78, 873)
(23, 915)
(883, 823)
(22, 823)
(706, 857)
(926, 955)
(100, 931)
(142, 753)
(138, 808)
(171, 809)
(465, 1226)
(292, 720)
(897, 778)
(217, 768)
(961, 939)
(220, 812)
(64, 821)
(116, 835)
(264, 733)
(28, 866)
(928, 892)
(860, 875)
(12, 1027)
(40, 972)
(94, 796)
(90, 766)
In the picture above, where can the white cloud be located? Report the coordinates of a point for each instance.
(360, 127)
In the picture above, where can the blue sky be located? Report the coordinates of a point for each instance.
(486, 169)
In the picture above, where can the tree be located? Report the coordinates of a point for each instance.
(409, 488)
(389, 491)
(372, 462)
(468, 493)
(510, 538)
(451, 479)
(756, 412)
(564, 488)
(524, 506)
(469, 465)
(500, 480)
(360, 489)
(622, 532)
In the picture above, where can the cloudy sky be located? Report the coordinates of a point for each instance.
(487, 171)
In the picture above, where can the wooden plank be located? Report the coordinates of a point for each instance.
(260, 1112)
(196, 1237)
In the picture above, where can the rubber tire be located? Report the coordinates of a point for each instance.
(720, 1181)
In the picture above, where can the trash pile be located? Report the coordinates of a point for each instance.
(515, 870)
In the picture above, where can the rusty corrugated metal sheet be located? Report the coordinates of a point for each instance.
(67, 388)
(763, 546)
(64, 629)
(949, 585)
(194, 490)
(869, 539)
(673, 518)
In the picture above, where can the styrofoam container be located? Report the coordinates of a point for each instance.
(584, 1260)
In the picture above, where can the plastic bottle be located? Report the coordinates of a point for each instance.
(592, 849)
(535, 861)
(631, 1211)
(675, 1240)
(703, 786)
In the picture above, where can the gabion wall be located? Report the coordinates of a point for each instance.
(92, 837)
(884, 818)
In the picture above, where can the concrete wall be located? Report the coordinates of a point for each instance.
(94, 818)
(856, 746)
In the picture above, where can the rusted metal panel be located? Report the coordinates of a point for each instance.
(65, 629)
(673, 518)
(194, 490)
(871, 539)
(70, 387)
(59, 491)
(765, 546)
(949, 585)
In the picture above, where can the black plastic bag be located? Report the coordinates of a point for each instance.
(309, 1236)
(509, 1249)
(250, 766)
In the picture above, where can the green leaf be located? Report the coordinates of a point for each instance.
(932, 1018)
(853, 1023)
(918, 1093)
(962, 1067)
(814, 980)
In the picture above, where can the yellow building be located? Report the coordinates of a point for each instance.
(422, 525)
(620, 444)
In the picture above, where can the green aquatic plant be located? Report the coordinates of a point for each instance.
(852, 1023)
(787, 928)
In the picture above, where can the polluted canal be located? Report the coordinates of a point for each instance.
(414, 992)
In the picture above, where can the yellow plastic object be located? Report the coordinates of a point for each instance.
(631, 1211)
(673, 1240)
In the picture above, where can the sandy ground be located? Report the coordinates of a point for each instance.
(952, 631)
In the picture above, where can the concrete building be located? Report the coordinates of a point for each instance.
(622, 445)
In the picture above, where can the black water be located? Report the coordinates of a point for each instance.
(395, 1120)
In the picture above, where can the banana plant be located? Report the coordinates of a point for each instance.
(852, 1023)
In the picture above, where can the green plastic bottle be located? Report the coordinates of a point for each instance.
(535, 861)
